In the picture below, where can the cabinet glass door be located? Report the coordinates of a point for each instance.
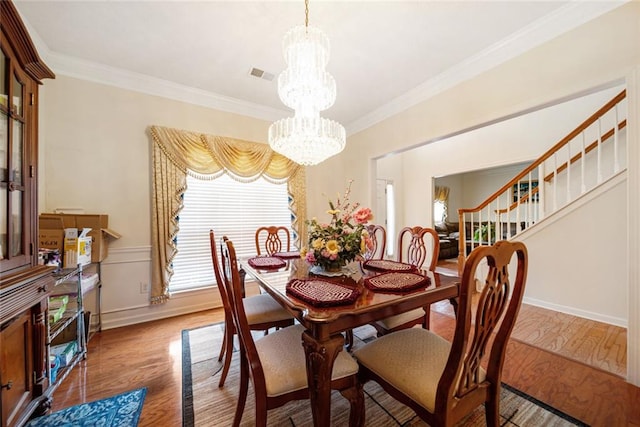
(4, 155)
(14, 182)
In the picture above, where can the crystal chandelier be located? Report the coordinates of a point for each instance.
(305, 86)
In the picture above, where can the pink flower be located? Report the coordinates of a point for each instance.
(310, 257)
(363, 216)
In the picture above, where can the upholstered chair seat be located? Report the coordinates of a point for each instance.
(284, 363)
(413, 359)
(399, 320)
(262, 309)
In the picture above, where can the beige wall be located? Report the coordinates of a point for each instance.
(95, 156)
(97, 150)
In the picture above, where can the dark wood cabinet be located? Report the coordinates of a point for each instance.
(16, 384)
(24, 285)
(23, 338)
(21, 73)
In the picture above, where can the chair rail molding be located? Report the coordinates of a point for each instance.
(124, 272)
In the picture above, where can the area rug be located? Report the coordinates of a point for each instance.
(122, 410)
(204, 404)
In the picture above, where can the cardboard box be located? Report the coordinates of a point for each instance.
(77, 247)
(52, 232)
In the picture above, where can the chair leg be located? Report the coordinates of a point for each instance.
(228, 353)
(244, 388)
(492, 410)
(454, 303)
(261, 414)
(349, 336)
(426, 321)
(224, 344)
(355, 396)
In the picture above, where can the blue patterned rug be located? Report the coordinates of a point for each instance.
(122, 410)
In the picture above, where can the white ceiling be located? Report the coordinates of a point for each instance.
(386, 55)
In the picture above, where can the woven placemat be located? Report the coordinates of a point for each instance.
(322, 293)
(267, 262)
(397, 282)
(287, 255)
(387, 265)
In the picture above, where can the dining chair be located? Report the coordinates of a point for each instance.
(272, 239)
(418, 246)
(263, 313)
(276, 363)
(378, 236)
(444, 381)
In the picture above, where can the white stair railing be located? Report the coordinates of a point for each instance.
(597, 147)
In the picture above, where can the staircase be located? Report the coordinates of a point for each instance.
(588, 157)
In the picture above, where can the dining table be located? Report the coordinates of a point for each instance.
(328, 304)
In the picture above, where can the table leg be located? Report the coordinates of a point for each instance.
(320, 357)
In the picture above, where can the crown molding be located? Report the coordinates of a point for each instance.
(538, 32)
(550, 26)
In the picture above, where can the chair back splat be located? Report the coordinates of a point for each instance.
(378, 236)
(276, 239)
(416, 244)
(448, 380)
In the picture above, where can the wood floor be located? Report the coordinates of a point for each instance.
(551, 363)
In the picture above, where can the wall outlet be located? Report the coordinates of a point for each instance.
(144, 288)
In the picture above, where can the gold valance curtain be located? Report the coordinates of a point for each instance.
(177, 153)
(441, 194)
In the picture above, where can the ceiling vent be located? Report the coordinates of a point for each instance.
(261, 74)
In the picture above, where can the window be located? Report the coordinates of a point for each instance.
(439, 211)
(230, 208)
(391, 218)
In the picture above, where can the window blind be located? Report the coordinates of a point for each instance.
(230, 208)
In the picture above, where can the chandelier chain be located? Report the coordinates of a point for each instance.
(306, 13)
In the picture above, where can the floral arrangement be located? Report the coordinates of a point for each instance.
(332, 245)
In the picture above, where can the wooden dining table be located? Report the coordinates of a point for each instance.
(323, 338)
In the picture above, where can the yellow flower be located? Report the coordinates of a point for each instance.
(317, 244)
(333, 247)
(333, 211)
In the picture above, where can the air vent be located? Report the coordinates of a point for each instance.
(261, 74)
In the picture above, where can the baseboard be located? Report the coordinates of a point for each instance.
(610, 320)
(178, 305)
